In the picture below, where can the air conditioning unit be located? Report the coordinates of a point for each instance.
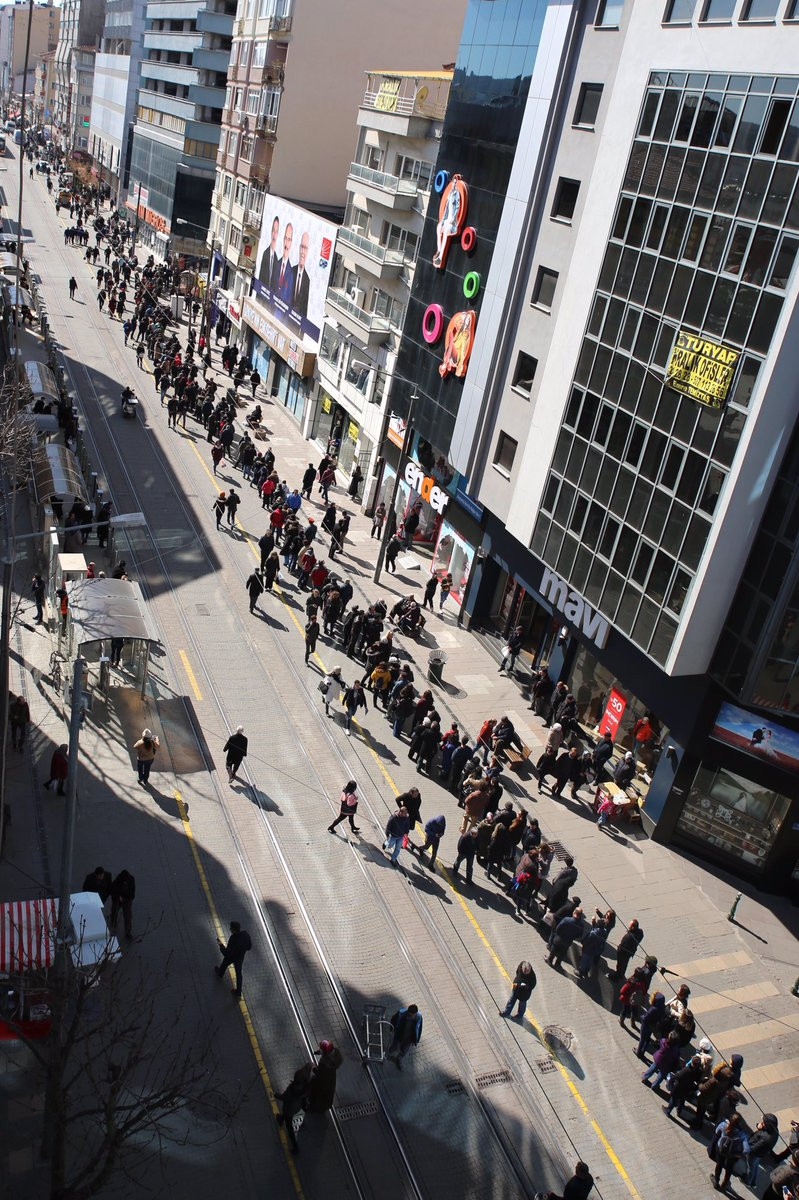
(358, 296)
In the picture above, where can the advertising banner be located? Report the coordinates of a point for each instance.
(767, 740)
(614, 711)
(294, 260)
(701, 369)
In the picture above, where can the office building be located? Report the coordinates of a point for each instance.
(44, 88)
(610, 401)
(116, 81)
(288, 131)
(186, 51)
(80, 30)
(44, 26)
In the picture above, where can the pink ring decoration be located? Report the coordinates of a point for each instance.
(433, 323)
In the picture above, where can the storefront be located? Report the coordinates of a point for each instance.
(282, 362)
(453, 556)
(338, 433)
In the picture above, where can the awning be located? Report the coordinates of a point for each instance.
(27, 935)
(109, 608)
(10, 296)
(8, 264)
(42, 380)
(56, 472)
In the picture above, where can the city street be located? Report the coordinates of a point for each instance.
(482, 1107)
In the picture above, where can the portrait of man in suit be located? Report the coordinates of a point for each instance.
(270, 258)
(283, 285)
(302, 280)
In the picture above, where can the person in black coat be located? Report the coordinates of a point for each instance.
(627, 948)
(624, 772)
(568, 769)
(99, 881)
(123, 893)
(565, 933)
(255, 588)
(461, 755)
(236, 750)
(602, 754)
(295, 1100)
(467, 849)
(233, 953)
(559, 890)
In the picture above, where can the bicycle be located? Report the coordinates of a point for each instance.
(56, 660)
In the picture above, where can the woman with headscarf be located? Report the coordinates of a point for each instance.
(322, 1091)
(236, 750)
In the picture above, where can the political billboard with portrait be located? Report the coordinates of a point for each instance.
(293, 265)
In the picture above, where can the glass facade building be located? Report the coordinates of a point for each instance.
(704, 240)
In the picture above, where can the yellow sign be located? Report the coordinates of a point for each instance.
(353, 432)
(327, 403)
(701, 369)
(388, 96)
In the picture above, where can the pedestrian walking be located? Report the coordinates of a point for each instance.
(348, 806)
(295, 1102)
(232, 504)
(467, 849)
(444, 589)
(434, 831)
(511, 650)
(407, 1026)
(664, 1060)
(728, 1145)
(565, 933)
(255, 588)
(219, 506)
(236, 750)
(627, 948)
(356, 480)
(59, 769)
(353, 699)
(99, 881)
(19, 718)
(39, 591)
(397, 828)
(651, 1022)
(430, 589)
(328, 686)
(233, 953)
(559, 889)
(146, 749)
(378, 517)
(578, 1187)
(123, 893)
(308, 480)
(311, 637)
(73, 287)
(522, 989)
(761, 1143)
(323, 1079)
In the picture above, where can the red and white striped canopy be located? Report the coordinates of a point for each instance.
(27, 935)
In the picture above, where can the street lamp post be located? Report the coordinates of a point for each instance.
(406, 445)
(212, 247)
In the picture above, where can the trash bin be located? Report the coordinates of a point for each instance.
(435, 665)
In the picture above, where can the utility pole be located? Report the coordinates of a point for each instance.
(406, 446)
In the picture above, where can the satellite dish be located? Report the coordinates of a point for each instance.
(420, 98)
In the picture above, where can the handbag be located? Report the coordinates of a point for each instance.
(297, 1120)
(506, 651)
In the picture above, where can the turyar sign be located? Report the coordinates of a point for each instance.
(574, 608)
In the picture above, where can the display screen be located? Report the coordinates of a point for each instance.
(766, 740)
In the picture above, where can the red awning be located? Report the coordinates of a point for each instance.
(27, 935)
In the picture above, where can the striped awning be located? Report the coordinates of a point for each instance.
(27, 935)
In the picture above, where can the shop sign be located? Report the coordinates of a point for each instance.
(701, 369)
(234, 312)
(327, 403)
(614, 711)
(353, 431)
(470, 506)
(275, 337)
(574, 608)
(426, 486)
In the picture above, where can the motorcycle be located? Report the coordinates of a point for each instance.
(129, 402)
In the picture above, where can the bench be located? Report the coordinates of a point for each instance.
(517, 755)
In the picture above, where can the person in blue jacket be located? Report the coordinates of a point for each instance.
(407, 1026)
(433, 833)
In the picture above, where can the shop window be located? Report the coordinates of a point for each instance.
(505, 453)
(585, 113)
(544, 291)
(565, 199)
(735, 815)
(679, 12)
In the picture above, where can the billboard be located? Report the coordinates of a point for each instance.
(701, 369)
(293, 264)
(766, 740)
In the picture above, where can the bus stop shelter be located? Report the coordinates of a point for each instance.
(102, 609)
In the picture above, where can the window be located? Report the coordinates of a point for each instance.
(760, 10)
(413, 168)
(565, 199)
(588, 105)
(719, 10)
(253, 98)
(544, 291)
(239, 99)
(680, 12)
(241, 191)
(609, 16)
(397, 238)
(226, 185)
(246, 147)
(233, 145)
(259, 54)
(505, 453)
(524, 374)
(774, 126)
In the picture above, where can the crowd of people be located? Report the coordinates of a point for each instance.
(494, 832)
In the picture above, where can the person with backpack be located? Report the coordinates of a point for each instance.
(728, 1145)
(522, 989)
(348, 806)
(353, 699)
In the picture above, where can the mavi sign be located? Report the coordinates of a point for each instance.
(574, 608)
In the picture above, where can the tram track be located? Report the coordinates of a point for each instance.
(534, 1109)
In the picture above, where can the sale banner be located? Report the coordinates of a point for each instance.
(614, 711)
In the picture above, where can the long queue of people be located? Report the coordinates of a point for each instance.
(493, 833)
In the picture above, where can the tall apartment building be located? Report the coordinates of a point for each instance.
(178, 118)
(388, 188)
(287, 130)
(116, 82)
(44, 22)
(81, 27)
(607, 387)
(44, 88)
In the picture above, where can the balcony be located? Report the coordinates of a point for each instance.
(178, 10)
(376, 259)
(246, 261)
(382, 188)
(369, 328)
(210, 96)
(182, 42)
(266, 126)
(169, 73)
(210, 60)
(279, 28)
(215, 22)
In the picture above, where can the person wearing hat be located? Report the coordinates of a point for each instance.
(323, 1080)
(236, 750)
(145, 748)
(624, 772)
(761, 1142)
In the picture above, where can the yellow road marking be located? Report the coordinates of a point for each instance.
(244, 1010)
(192, 677)
(367, 741)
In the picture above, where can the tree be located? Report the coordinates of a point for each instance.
(17, 428)
(123, 1076)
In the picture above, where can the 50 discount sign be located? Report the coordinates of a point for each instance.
(614, 711)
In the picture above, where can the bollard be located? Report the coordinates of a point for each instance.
(734, 909)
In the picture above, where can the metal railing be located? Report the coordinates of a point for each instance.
(380, 254)
(279, 25)
(382, 179)
(371, 321)
(404, 106)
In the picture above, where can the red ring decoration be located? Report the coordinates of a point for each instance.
(468, 239)
(432, 323)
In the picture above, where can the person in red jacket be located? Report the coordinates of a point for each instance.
(319, 574)
(632, 994)
(277, 521)
(59, 769)
(484, 737)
